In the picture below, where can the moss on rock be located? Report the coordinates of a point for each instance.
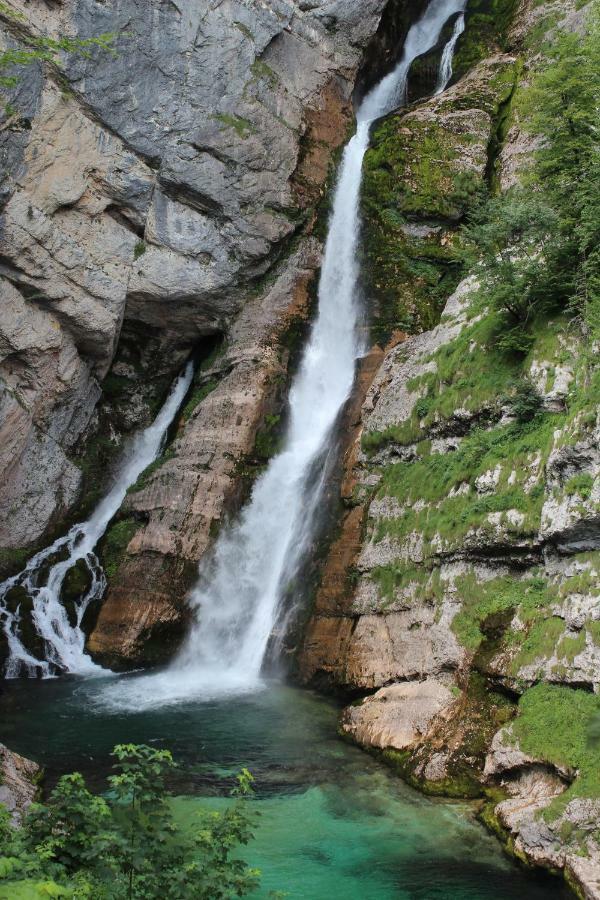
(425, 169)
(115, 542)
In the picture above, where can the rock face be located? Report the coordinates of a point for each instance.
(18, 782)
(148, 197)
(397, 716)
(567, 840)
(158, 202)
(470, 544)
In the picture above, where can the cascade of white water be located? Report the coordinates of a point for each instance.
(63, 639)
(237, 599)
(445, 73)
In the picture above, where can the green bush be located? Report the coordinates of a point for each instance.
(525, 400)
(125, 845)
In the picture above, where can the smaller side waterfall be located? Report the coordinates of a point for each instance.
(445, 73)
(43, 576)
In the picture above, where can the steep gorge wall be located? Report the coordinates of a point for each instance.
(460, 598)
(157, 203)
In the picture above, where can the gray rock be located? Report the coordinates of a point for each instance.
(19, 778)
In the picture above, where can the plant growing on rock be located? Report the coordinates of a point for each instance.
(511, 236)
(525, 400)
(37, 49)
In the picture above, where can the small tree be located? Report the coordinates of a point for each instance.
(510, 239)
(126, 845)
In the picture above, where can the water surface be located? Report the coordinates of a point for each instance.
(334, 822)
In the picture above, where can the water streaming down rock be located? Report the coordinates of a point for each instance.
(238, 596)
(445, 73)
(43, 577)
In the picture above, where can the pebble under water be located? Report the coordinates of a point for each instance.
(334, 822)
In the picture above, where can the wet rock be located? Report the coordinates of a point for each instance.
(152, 195)
(397, 716)
(19, 779)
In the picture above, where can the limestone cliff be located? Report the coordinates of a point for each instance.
(158, 202)
(463, 588)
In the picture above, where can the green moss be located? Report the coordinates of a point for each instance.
(200, 392)
(12, 561)
(411, 173)
(139, 249)
(435, 477)
(593, 629)
(487, 814)
(414, 173)
(580, 485)
(481, 602)
(242, 127)
(115, 543)
(540, 643)
(553, 725)
(460, 785)
(571, 646)
(473, 374)
(77, 581)
(487, 25)
(268, 438)
(144, 479)
(261, 70)
(244, 29)
(425, 586)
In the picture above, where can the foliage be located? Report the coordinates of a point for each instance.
(525, 400)
(513, 236)
(481, 601)
(115, 543)
(40, 49)
(554, 724)
(488, 24)
(126, 845)
(539, 245)
(242, 127)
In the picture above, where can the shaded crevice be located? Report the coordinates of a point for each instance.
(385, 49)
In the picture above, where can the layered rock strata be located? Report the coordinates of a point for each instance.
(470, 539)
(146, 192)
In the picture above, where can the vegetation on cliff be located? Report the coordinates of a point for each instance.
(485, 453)
(40, 49)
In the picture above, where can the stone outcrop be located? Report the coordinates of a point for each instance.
(159, 201)
(19, 779)
(569, 839)
(180, 506)
(397, 716)
(146, 193)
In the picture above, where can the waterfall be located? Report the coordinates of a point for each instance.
(238, 596)
(43, 577)
(445, 73)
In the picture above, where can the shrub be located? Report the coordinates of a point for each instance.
(525, 400)
(126, 845)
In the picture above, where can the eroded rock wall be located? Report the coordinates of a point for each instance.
(158, 202)
(468, 591)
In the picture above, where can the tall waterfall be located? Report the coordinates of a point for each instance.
(445, 73)
(238, 597)
(43, 576)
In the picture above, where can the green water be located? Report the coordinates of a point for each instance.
(334, 823)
